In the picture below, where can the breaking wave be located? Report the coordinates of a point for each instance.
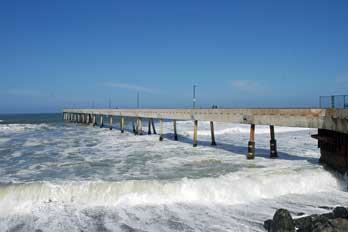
(229, 189)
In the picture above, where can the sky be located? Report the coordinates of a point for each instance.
(71, 53)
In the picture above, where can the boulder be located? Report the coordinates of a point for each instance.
(339, 224)
(282, 222)
(303, 224)
(267, 224)
(340, 212)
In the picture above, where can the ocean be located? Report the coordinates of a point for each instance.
(60, 176)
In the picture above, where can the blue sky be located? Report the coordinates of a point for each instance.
(56, 54)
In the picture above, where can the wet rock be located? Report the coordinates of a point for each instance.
(303, 224)
(340, 212)
(267, 224)
(321, 223)
(336, 221)
(282, 222)
(339, 224)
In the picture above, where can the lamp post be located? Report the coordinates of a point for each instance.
(138, 100)
(194, 96)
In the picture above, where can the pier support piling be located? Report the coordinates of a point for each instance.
(161, 130)
(273, 143)
(213, 143)
(175, 133)
(149, 127)
(134, 129)
(153, 126)
(251, 144)
(94, 120)
(101, 121)
(122, 124)
(110, 122)
(195, 133)
(140, 127)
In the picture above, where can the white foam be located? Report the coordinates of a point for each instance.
(229, 189)
(22, 127)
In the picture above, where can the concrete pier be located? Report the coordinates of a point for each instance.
(332, 125)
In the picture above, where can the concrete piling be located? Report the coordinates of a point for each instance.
(195, 133)
(122, 124)
(273, 143)
(101, 121)
(149, 127)
(213, 143)
(139, 126)
(94, 120)
(161, 130)
(153, 126)
(251, 144)
(134, 129)
(110, 122)
(175, 133)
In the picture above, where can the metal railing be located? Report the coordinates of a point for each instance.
(333, 101)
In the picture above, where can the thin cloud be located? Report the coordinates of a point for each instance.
(245, 85)
(129, 87)
(24, 92)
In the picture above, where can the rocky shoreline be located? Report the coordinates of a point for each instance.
(335, 221)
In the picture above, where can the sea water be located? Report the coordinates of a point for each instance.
(57, 176)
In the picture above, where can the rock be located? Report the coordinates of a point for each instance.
(303, 224)
(282, 222)
(339, 224)
(340, 212)
(320, 223)
(267, 224)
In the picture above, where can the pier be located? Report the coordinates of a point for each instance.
(332, 125)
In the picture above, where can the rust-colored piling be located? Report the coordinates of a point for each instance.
(273, 143)
(213, 143)
(161, 130)
(175, 132)
(251, 144)
(195, 127)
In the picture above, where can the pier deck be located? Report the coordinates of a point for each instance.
(332, 125)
